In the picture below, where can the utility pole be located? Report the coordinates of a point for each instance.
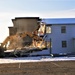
(50, 47)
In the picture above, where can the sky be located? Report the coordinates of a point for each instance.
(9, 9)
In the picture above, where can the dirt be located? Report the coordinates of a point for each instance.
(39, 68)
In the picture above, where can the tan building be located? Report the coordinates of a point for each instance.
(24, 24)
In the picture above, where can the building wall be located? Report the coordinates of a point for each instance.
(57, 37)
(12, 31)
(25, 25)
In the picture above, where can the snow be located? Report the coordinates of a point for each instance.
(9, 50)
(35, 59)
(41, 52)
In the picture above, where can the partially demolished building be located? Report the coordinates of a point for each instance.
(27, 32)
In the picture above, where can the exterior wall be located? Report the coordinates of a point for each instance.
(57, 37)
(12, 31)
(25, 25)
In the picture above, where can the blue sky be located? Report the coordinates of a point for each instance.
(36, 5)
(10, 9)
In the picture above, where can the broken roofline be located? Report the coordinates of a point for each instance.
(39, 19)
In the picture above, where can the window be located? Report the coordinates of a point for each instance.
(48, 29)
(64, 44)
(63, 29)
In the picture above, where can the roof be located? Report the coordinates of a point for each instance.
(59, 20)
(28, 18)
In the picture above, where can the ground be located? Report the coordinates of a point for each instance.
(39, 68)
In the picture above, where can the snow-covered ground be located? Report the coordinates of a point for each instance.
(35, 59)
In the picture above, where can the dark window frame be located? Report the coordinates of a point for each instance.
(63, 29)
(64, 44)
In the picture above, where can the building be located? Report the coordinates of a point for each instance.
(24, 24)
(61, 33)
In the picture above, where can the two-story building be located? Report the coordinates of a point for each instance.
(61, 33)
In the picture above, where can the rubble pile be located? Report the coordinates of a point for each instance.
(22, 40)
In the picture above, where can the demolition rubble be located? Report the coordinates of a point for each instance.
(26, 36)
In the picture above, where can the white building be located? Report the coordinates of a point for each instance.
(61, 31)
